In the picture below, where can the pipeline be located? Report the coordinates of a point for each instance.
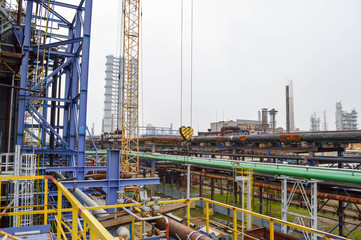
(349, 137)
(180, 231)
(331, 136)
(288, 157)
(102, 175)
(83, 197)
(338, 175)
(159, 216)
(233, 129)
(270, 186)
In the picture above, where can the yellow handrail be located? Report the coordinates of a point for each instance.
(96, 229)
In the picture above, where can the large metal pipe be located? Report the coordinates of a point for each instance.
(347, 137)
(270, 186)
(330, 136)
(179, 231)
(289, 157)
(226, 129)
(146, 219)
(338, 175)
(85, 199)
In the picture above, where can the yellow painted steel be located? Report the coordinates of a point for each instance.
(7, 235)
(247, 202)
(74, 224)
(234, 224)
(93, 235)
(46, 201)
(271, 230)
(140, 229)
(97, 231)
(58, 217)
(189, 213)
(130, 103)
(207, 216)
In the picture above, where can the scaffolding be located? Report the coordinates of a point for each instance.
(298, 185)
(244, 178)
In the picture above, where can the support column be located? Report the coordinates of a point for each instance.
(261, 201)
(341, 213)
(201, 185)
(188, 181)
(24, 74)
(284, 205)
(152, 170)
(313, 213)
(163, 178)
(212, 188)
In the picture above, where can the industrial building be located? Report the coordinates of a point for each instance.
(244, 180)
(112, 118)
(345, 120)
(253, 125)
(315, 123)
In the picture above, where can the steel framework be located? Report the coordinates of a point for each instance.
(244, 178)
(130, 125)
(311, 204)
(60, 86)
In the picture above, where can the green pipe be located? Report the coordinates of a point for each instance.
(347, 176)
(342, 175)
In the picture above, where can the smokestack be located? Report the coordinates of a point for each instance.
(288, 108)
(292, 111)
(265, 119)
(259, 116)
(272, 114)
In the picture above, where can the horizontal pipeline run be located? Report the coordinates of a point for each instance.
(332, 136)
(338, 175)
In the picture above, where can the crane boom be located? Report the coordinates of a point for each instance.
(130, 127)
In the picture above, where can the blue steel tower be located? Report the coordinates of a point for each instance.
(54, 80)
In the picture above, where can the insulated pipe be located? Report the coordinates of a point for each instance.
(179, 231)
(84, 198)
(331, 136)
(293, 157)
(349, 137)
(327, 159)
(338, 175)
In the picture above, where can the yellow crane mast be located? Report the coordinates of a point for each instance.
(130, 96)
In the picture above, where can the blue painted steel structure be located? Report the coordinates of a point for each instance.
(65, 63)
(72, 52)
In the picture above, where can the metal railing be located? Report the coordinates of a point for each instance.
(92, 228)
(95, 230)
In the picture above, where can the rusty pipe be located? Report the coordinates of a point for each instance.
(102, 175)
(179, 231)
(332, 136)
(225, 129)
(270, 186)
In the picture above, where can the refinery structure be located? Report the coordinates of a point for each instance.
(242, 179)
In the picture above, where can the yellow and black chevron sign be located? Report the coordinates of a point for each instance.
(186, 132)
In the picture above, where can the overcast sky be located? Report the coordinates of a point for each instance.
(243, 51)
